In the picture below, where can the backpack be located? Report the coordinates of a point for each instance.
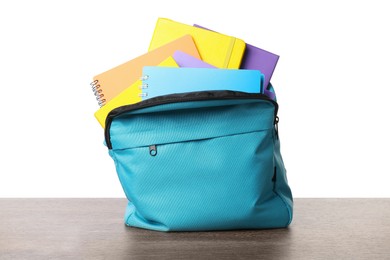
(200, 161)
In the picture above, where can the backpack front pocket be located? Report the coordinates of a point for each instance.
(215, 183)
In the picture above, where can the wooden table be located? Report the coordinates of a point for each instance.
(94, 229)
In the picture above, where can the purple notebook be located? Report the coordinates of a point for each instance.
(185, 60)
(258, 59)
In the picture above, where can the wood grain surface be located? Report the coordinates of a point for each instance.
(94, 229)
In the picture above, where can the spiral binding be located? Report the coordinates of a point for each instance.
(144, 86)
(98, 92)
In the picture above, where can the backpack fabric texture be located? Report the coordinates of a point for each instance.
(200, 161)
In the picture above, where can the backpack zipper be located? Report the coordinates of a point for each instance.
(180, 98)
(153, 150)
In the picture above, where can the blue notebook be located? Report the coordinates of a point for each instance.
(158, 81)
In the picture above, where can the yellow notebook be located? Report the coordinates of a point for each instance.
(108, 84)
(130, 95)
(220, 50)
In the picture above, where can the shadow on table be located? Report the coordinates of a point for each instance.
(273, 244)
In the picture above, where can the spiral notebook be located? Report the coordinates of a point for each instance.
(258, 59)
(219, 50)
(157, 81)
(130, 95)
(108, 84)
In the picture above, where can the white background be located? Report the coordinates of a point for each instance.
(332, 83)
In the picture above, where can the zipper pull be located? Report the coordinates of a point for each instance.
(276, 126)
(153, 150)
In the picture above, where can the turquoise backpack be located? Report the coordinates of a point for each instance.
(200, 161)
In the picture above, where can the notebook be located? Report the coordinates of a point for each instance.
(110, 83)
(187, 61)
(259, 59)
(219, 50)
(159, 81)
(130, 95)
